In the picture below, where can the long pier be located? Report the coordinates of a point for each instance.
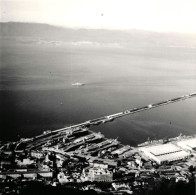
(40, 140)
(111, 117)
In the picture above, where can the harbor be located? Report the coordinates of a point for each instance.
(76, 154)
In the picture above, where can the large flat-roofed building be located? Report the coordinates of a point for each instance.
(188, 144)
(164, 153)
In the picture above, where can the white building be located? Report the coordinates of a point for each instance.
(119, 186)
(97, 174)
(24, 162)
(164, 153)
(37, 154)
(46, 173)
(30, 175)
(189, 144)
(62, 178)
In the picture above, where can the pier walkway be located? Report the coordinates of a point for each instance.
(111, 117)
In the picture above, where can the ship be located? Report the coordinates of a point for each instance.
(78, 84)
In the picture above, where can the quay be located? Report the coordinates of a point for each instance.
(111, 117)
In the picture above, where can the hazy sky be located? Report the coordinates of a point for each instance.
(158, 15)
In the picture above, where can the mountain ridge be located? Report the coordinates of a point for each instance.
(133, 37)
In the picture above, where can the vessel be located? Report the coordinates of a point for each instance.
(78, 84)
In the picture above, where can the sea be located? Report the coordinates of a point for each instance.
(36, 92)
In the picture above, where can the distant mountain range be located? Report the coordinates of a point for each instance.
(125, 38)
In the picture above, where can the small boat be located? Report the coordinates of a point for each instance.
(78, 84)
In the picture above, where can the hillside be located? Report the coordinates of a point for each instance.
(126, 38)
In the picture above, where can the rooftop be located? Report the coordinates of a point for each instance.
(189, 142)
(162, 149)
(172, 156)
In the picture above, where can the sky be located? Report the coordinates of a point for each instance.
(155, 15)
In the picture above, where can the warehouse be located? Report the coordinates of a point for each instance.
(189, 144)
(164, 153)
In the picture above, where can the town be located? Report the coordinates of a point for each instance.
(86, 160)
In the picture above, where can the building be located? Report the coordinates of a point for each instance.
(131, 164)
(7, 152)
(62, 178)
(28, 175)
(188, 144)
(5, 162)
(45, 174)
(110, 163)
(99, 164)
(121, 186)
(32, 176)
(121, 150)
(100, 174)
(2, 176)
(14, 175)
(139, 161)
(37, 154)
(97, 174)
(164, 153)
(24, 162)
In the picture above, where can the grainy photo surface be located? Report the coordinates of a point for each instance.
(97, 97)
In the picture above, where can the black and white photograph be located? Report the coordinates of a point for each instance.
(98, 97)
